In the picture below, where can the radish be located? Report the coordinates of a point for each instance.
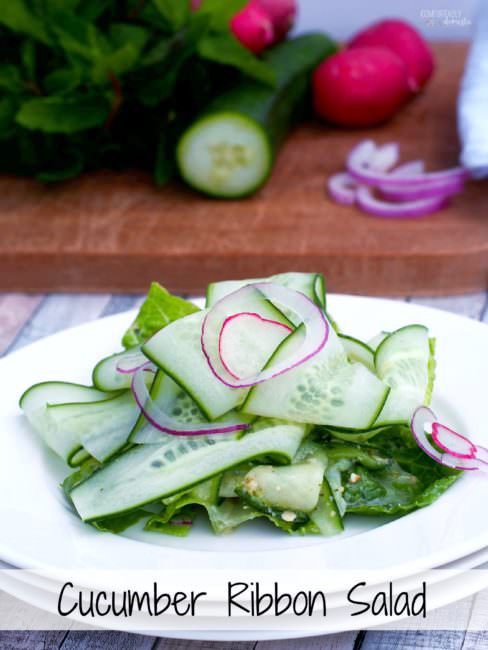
(406, 42)
(252, 26)
(360, 87)
(282, 14)
(261, 22)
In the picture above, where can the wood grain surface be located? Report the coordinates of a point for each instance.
(111, 232)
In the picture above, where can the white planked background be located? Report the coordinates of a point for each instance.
(26, 318)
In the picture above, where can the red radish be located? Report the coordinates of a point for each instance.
(282, 14)
(245, 341)
(314, 336)
(407, 43)
(253, 27)
(360, 86)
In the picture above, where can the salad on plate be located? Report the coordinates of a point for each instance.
(257, 406)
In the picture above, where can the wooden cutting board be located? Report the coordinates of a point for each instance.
(116, 232)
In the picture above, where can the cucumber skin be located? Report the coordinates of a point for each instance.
(273, 110)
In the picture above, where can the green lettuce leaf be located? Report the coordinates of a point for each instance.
(391, 475)
(122, 522)
(158, 310)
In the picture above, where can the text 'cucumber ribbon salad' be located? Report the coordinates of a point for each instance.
(256, 406)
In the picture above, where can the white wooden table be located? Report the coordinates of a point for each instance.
(26, 318)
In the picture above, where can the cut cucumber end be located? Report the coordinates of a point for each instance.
(225, 155)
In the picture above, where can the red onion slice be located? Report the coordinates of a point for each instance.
(312, 317)
(131, 362)
(419, 208)
(181, 522)
(163, 422)
(277, 330)
(414, 192)
(424, 417)
(342, 188)
(411, 168)
(360, 169)
(452, 442)
(385, 157)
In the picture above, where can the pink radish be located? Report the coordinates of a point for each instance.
(245, 342)
(252, 26)
(406, 42)
(282, 14)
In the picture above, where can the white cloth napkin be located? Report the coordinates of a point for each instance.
(473, 101)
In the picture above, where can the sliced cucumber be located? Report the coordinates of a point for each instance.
(57, 392)
(102, 427)
(174, 401)
(374, 342)
(34, 403)
(178, 405)
(311, 285)
(226, 155)
(326, 515)
(293, 487)
(358, 351)
(229, 152)
(320, 290)
(147, 473)
(245, 343)
(177, 350)
(231, 479)
(326, 389)
(402, 362)
(105, 375)
(79, 457)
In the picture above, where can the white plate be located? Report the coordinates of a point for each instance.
(38, 530)
(440, 594)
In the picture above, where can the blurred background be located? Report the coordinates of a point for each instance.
(112, 174)
(437, 19)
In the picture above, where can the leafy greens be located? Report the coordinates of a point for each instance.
(110, 83)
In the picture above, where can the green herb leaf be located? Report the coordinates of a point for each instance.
(123, 33)
(158, 310)
(17, 16)
(69, 166)
(226, 49)
(62, 81)
(221, 12)
(63, 114)
(8, 109)
(79, 37)
(92, 9)
(10, 78)
(174, 13)
(28, 56)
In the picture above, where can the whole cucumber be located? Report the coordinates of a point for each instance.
(230, 150)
